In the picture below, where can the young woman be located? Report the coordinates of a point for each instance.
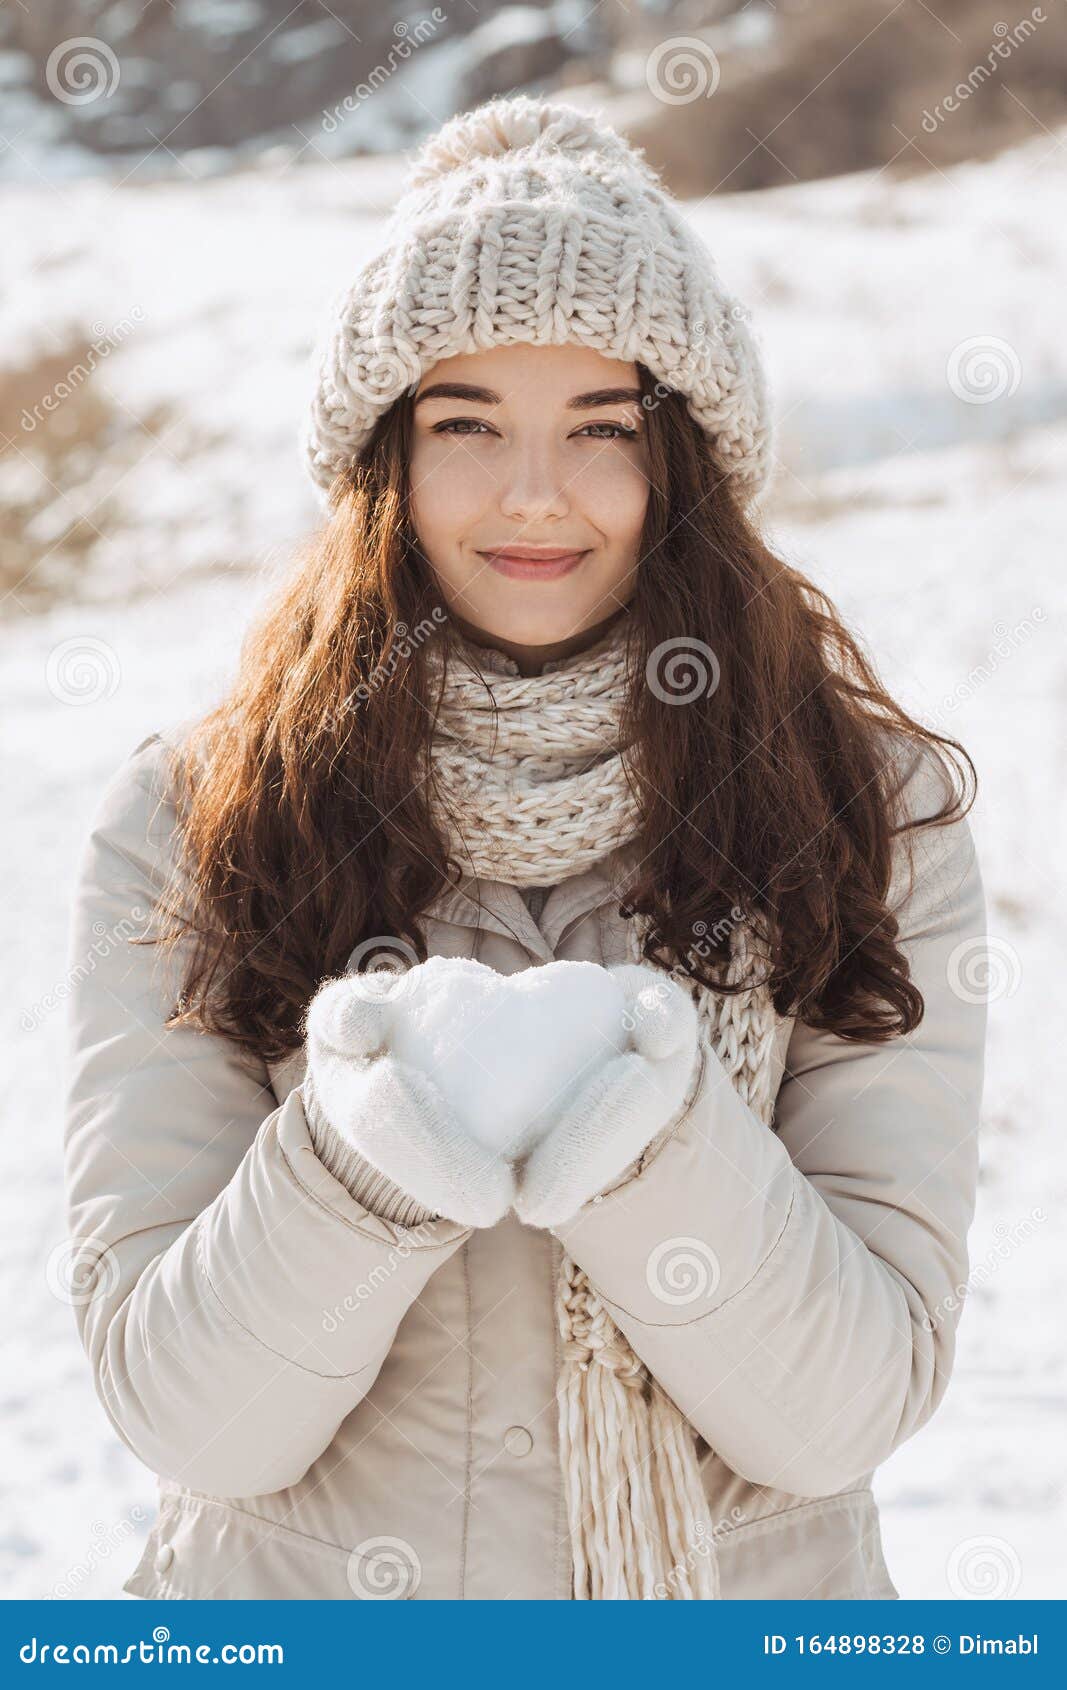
(536, 693)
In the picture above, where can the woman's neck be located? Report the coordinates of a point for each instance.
(531, 659)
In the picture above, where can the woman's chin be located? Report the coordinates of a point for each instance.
(522, 627)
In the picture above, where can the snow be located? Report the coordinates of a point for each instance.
(510, 1053)
(15, 69)
(934, 520)
(512, 26)
(416, 87)
(222, 17)
(306, 43)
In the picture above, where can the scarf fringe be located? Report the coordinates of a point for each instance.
(639, 1522)
(638, 1513)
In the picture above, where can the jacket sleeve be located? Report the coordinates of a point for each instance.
(235, 1299)
(796, 1291)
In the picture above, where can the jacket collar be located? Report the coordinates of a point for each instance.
(481, 903)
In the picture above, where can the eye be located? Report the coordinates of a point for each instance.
(459, 425)
(620, 431)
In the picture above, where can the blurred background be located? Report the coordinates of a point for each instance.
(184, 185)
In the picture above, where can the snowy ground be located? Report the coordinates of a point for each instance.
(927, 501)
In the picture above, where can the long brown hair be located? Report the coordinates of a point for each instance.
(304, 823)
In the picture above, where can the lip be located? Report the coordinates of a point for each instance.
(526, 563)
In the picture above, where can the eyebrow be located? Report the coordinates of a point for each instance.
(476, 395)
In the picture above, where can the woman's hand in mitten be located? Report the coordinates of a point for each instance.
(620, 1110)
(393, 1113)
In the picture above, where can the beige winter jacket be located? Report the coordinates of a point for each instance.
(324, 1393)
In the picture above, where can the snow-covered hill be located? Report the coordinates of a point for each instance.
(123, 88)
(913, 336)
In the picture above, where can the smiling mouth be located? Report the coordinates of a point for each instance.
(530, 563)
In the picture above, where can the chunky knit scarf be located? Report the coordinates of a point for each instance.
(529, 782)
(530, 788)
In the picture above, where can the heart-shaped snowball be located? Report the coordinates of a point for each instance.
(509, 1051)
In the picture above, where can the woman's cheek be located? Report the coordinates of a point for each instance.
(448, 492)
(613, 494)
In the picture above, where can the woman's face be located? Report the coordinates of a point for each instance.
(529, 485)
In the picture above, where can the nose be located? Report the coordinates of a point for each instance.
(533, 485)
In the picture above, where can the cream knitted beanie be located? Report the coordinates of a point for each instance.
(530, 221)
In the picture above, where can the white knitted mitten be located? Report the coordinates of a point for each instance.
(619, 1112)
(393, 1114)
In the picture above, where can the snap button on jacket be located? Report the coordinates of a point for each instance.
(338, 1407)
